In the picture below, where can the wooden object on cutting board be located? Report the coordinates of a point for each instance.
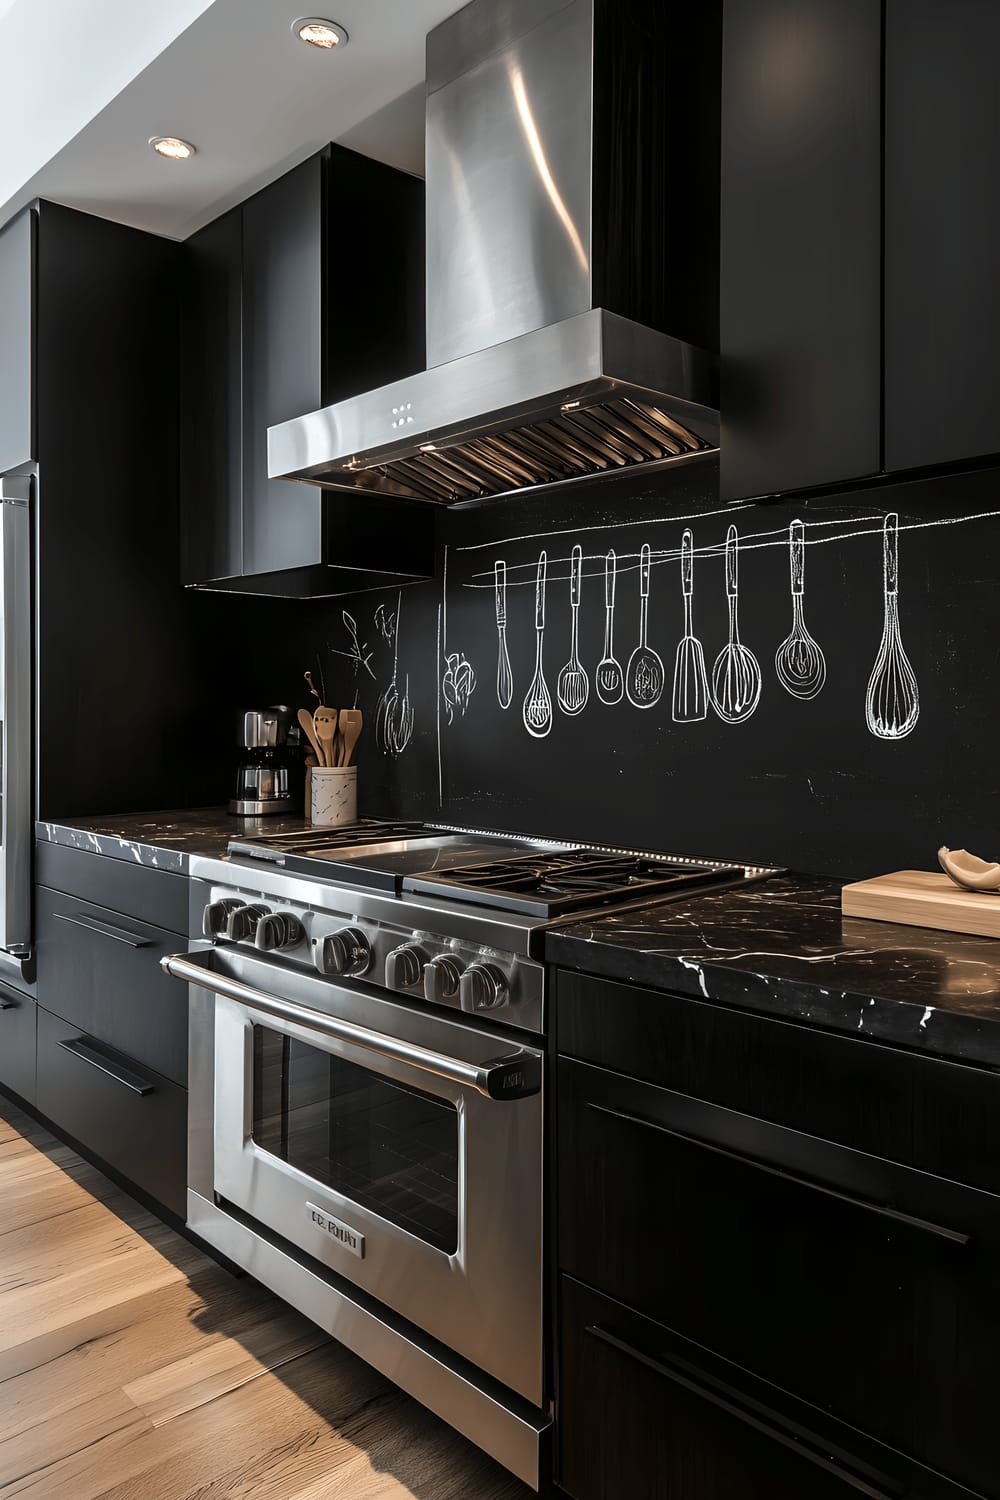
(923, 898)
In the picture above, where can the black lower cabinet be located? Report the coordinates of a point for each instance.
(766, 1291)
(869, 1290)
(643, 1414)
(101, 969)
(111, 1068)
(120, 1111)
(17, 1044)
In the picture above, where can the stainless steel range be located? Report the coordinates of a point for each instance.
(367, 1092)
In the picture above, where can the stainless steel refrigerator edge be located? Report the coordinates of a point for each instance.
(15, 722)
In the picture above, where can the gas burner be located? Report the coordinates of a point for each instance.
(548, 885)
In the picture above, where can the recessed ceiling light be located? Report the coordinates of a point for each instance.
(316, 32)
(172, 147)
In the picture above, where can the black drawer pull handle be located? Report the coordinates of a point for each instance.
(105, 929)
(8, 1005)
(82, 1049)
(953, 1236)
(799, 1439)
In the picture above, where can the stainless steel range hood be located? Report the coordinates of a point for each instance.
(570, 222)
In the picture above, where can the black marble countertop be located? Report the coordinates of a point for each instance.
(162, 840)
(781, 946)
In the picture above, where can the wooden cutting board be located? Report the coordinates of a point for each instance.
(923, 898)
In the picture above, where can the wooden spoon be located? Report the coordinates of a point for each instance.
(351, 725)
(309, 730)
(325, 720)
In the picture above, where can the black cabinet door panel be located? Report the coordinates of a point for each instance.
(101, 970)
(283, 299)
(921, 1111)
(126, 1114)
(17, 1043)
(861, 1287)
(942, 231)
(800, 329)
(154, 896)
(17, 342)
(642, 1413)
(211, 335)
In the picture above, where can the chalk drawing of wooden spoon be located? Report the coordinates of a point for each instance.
(537, 703)
(799, 662)
(736, 676)
(505, 680)
(892, 703)
(609, 676)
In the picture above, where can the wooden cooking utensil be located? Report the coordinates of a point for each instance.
(309, 730)
(325, 720)
(351, 725)
(313, 688)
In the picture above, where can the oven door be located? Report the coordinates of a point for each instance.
(400, 1148)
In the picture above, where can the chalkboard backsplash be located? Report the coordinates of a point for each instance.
(634, 663)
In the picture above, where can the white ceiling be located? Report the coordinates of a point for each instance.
(227, 75)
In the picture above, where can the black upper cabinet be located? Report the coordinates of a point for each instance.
(284, 301)
(17, 343)
(942, 231)
(211, 413)
(800, 301)
(309, 292)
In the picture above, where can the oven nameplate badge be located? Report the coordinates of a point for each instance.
(338, 1230)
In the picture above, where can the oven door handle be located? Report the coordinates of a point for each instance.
(513, 1076)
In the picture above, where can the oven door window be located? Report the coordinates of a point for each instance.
(387, 1147)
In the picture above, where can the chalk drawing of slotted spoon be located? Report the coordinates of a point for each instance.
(573, 685)
(505, 680)
(537, 703)
(644, 678)
(609, 677)
(799, 662)
(892, 704)
(736, 675)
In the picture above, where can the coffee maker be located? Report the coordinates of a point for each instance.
(263, 783)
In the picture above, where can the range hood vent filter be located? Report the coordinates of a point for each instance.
(575, 444)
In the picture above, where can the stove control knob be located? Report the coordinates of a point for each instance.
(241, 923)
(442, 977)
(277, 930)
(483, 987)
(216, 915)
(404, 967)
(347, 952)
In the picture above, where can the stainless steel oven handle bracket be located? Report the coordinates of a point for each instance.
(513, 1076)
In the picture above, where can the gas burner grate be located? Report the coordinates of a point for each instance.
(548, 885)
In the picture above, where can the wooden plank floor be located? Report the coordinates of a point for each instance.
(133, 1367)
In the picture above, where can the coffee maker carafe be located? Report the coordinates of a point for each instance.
(263, 784)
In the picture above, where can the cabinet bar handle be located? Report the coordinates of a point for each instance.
(799, 1439)
(8, 1005)
(953, 1236)
(92, 924)
(87, 1053)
